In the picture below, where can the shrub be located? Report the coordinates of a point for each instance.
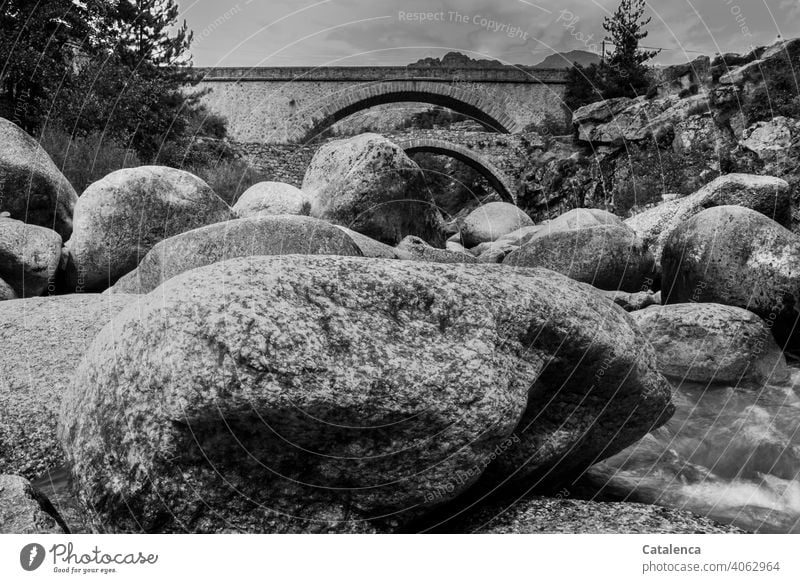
(229, 178)
(86, 159)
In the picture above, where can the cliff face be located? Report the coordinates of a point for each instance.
(732, 113)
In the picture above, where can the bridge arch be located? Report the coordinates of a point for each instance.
(490, 111)
(497, 178)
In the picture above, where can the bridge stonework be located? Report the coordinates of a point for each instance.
(291, 105)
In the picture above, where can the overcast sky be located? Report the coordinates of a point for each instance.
(386, 32)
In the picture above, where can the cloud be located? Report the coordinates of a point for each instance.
(283, 32)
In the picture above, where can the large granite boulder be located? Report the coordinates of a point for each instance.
(609, 257)
(32, 189)
(738, 257)
(279, 394)
(581, 218)
(419, 250)
(29, 257)
(771, 140)
(266, 235)
(121, 217)
(43, 340)
(490, 222)
(712, 343)
(272, 198)
(766, 194)
(24, 510)
(370, 185)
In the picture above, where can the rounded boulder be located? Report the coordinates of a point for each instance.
(712, 343)
(255, 236)
(122, 216)
(609, 257)
(369, 184)
(490, 222)
(32, 189)
(272, 198)
(29, 257)
(738, 257)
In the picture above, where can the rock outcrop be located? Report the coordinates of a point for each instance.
(44, 340)
(371, 248)
(369, 184)
(280, 394)
(255, 236)
(712, 343)
(24, 510)
(272, 198)
(29, 257)
(121, 217)
(32, 189)
(738, 257)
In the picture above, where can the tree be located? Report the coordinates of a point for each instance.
(136, 89)
(39, 42)
(624, 73)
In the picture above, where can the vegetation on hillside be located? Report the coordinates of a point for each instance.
(624, 73)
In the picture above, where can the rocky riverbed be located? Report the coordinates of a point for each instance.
(341, 358)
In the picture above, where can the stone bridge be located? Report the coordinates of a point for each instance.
(294, 104)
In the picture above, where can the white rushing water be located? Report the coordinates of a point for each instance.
(729, 453)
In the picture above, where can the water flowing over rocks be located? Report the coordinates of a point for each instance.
(32, 189)
(29, 257)
(255, 236)
(352, 394)
(712, 343)
(371, 186)
(738, 257)
(121, 217)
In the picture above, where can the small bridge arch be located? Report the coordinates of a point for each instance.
(504, 186)
(491, 112)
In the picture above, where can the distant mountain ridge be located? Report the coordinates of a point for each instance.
(566, 60)
(456, 60)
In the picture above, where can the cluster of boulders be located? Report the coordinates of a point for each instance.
(323, 359)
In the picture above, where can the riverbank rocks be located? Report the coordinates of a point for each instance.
(32, 189)
(419, 250)
(738, 257)
(609, 257)
(319, 393)
(29, 257)
(121, 217)
(272, 198)
(370, 185)
(490, 222)
(43, 340)
(765, 194)
(712, 343)
(371, 248)
(540, 515)
(266, 235)
(24, 510)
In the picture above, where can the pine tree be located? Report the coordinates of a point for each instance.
(39, 45)
(626, 74)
